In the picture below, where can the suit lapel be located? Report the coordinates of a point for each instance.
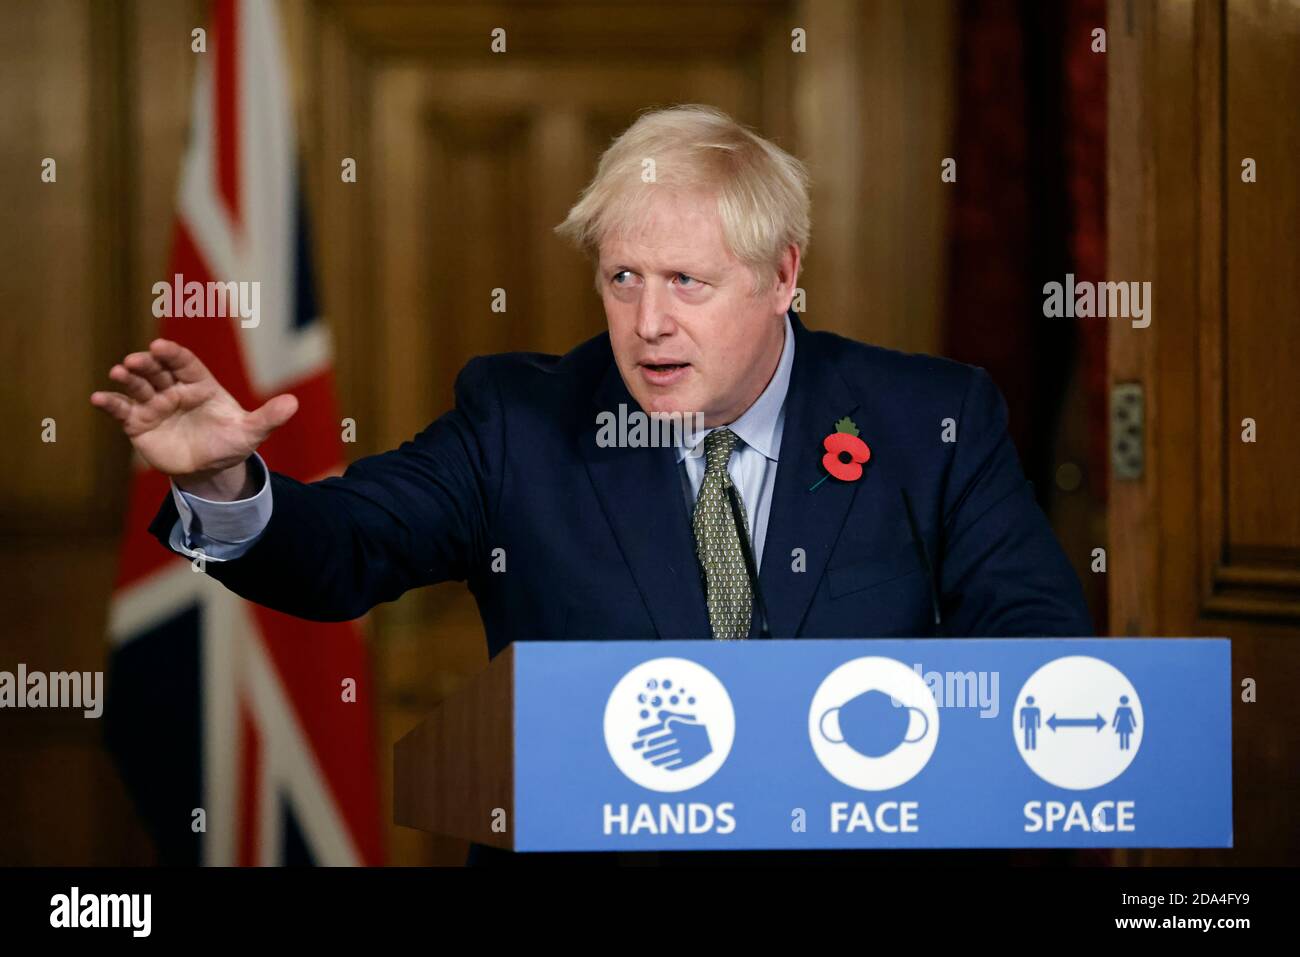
(801, 519)
(640, 492)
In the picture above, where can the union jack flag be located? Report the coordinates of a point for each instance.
(215, 703)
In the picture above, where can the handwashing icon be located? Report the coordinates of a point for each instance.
(871, 724)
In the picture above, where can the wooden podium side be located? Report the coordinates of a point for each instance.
(454, 768)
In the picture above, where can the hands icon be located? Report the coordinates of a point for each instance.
(676, 741)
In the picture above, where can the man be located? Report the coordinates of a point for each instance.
(697, 227)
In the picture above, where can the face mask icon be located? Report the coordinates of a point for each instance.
(871, 724)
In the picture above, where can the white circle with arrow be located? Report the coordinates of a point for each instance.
(1078, 722)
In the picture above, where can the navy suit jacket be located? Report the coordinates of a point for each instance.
(598, 543)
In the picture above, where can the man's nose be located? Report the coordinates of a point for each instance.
(653, 312)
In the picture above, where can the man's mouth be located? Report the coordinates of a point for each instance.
(664, 373)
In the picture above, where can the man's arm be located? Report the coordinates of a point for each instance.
(412, 516)
(1002, 572)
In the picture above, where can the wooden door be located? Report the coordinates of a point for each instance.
(1204, 202)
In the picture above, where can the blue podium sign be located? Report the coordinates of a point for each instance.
(926, 743)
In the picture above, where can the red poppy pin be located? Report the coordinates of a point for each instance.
(845, 453)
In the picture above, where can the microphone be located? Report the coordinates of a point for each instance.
(751, 568)
(924, 558)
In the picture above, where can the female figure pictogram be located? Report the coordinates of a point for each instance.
(1124, 723)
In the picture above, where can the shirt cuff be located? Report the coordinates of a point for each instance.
(228, 523)
(205, 549)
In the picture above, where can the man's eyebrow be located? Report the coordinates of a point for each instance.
(704, 271)
(698, 271)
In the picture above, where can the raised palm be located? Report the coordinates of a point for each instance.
(180, 418)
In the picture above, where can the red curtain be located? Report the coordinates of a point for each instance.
(1029, 206)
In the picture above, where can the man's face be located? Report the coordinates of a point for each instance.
(687, 334)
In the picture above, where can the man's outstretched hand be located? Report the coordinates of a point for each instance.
(184, 424)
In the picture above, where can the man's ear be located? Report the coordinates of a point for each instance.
(787, 275)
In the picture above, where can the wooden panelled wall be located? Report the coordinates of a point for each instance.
(465, 161)
(1207, 541)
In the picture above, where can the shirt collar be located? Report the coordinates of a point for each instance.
(760, 425)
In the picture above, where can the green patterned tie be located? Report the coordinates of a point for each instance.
(718, 545)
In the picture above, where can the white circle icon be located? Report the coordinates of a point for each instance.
(1078, 722)
(873, 723)
(669, 724)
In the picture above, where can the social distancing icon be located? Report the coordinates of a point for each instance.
(1078, 722)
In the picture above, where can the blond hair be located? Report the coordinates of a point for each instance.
(761, 190)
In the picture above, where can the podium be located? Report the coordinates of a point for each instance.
(821, 744)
